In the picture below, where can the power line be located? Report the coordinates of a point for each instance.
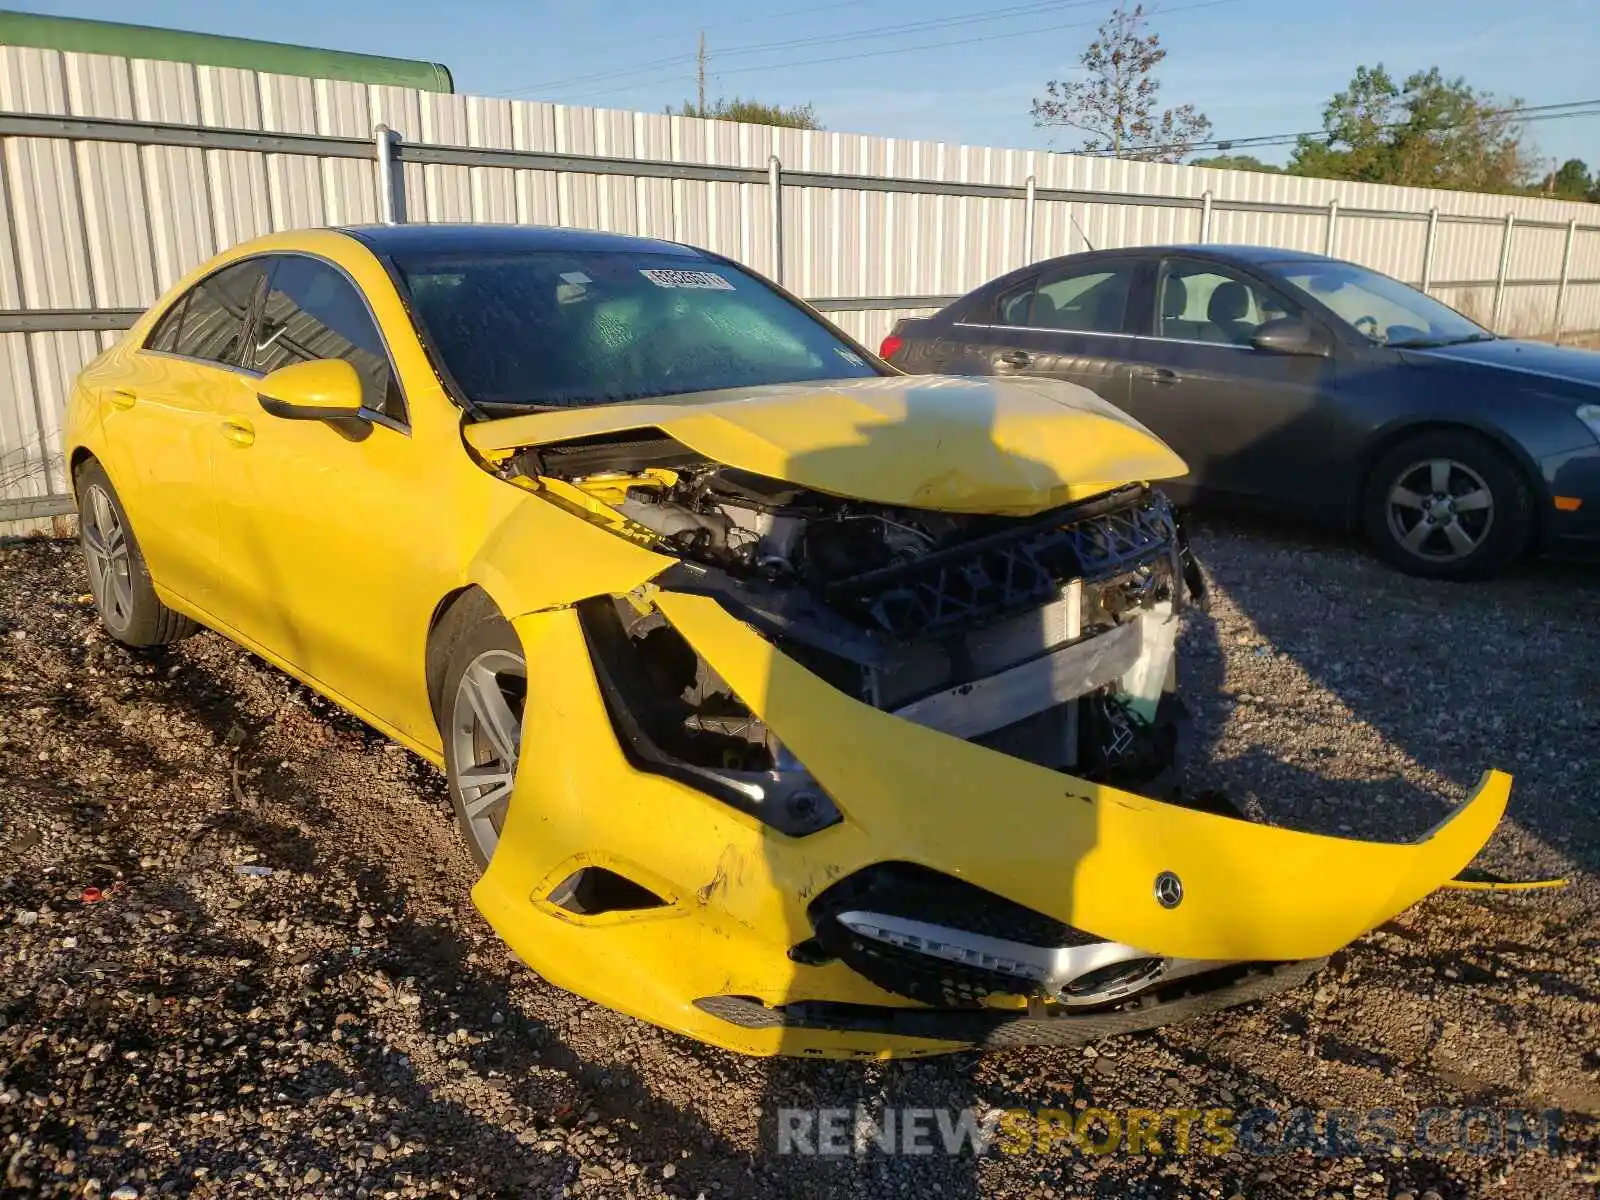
(755, 20)
(1525, 115)
(779, 16)
(928, 25)
(887, 50)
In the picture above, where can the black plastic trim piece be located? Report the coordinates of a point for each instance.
(789, 613)
(1007, 571)
(791, 803)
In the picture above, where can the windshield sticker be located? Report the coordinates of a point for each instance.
(688, 279)
(850, 356)
(575, 277)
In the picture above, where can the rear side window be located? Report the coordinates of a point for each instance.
(165, 335)
(313, 311)
(209, 321)
(1093, 300)
(1011, 308)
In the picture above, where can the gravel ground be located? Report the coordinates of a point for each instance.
(239, 955)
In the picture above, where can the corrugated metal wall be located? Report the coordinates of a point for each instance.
(97, 220)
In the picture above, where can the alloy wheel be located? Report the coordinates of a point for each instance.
(109, 558)
(1440, 509)
(486, 737)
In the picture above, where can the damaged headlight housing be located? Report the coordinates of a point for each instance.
(675, 717)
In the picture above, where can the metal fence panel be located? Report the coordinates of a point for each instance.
(95, 221)
(22, 450)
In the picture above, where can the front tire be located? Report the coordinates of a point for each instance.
(485, 689)
(1448, 504)
(119, 577)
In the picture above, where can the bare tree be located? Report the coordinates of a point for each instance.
(1115, 107)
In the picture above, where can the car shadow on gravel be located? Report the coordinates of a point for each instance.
(1264, 1110)
(1457, 678)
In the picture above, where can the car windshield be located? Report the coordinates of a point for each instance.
(1383, 310)
(554, 328)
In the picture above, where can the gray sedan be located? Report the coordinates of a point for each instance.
(1308, 385)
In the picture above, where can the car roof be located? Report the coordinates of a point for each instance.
(1250, 254)
(453, 238)
(1222, 251)
(1258, 256)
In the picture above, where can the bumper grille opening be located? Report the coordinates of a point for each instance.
(595, 890)
(1120, 976)
(919, 893)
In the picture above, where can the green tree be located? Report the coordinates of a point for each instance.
(752, 112)
(1427, 132)
(1237, 162)
(1115, 105)
(1572, 181)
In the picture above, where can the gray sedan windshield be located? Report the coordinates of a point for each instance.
(1383, 310)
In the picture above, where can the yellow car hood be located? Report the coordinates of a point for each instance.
(954, 444)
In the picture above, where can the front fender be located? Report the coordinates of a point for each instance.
(537, 557)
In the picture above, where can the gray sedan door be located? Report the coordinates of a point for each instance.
(1245, 420)
(1067, 324)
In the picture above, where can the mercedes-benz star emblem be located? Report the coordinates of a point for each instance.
(1169, 890)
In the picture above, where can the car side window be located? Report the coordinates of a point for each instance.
(208, 322)
(165, 335)
(1202, 302)
(312, 311)
(1086, 299)
(1011, 307)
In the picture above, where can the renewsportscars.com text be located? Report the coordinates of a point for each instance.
(1258, 1132)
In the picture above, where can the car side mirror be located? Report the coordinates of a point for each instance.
(325, 389)
(1290, 335)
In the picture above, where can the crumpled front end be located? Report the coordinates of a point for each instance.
(894, 810)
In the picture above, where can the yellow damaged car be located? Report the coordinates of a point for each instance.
(786, 701)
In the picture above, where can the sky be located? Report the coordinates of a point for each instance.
(1253, 66)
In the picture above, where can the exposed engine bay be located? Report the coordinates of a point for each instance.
(1049, 637)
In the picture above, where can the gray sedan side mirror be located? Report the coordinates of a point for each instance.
(1290, 335)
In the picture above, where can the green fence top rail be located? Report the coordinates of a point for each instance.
(175, 45)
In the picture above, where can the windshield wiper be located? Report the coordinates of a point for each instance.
(1432, 343)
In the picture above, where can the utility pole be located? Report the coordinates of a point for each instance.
(700, 73)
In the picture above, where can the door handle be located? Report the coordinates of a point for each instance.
(1016, 358)
(239, 431)
(1157, 375)
(122, 398)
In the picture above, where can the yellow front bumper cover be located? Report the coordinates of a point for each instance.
(737, 891)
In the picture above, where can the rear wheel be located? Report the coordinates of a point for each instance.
(485, 688)
(119, 579)
(1448, 504)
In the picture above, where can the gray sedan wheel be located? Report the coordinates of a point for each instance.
(1440, 509)
(1448, 504)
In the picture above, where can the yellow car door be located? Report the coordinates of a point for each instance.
(336, 542)
(162, 404)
